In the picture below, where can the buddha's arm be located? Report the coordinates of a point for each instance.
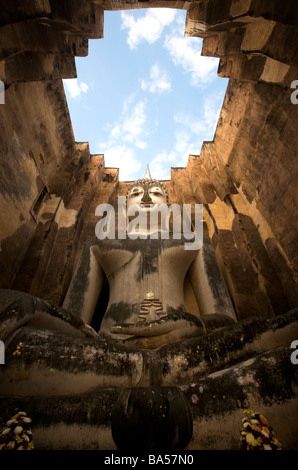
(209, 285)
(18, 310)
(85, 287)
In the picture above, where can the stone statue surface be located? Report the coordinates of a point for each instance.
(146, 280)
(155, 368)
(146, 311)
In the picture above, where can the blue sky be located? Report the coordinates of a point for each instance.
(144, 94)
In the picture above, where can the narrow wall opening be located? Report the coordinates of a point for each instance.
(144, 94)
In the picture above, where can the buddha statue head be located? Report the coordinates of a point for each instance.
(146, 192)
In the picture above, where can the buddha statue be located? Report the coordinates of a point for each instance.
(145, 311)
(145, 273)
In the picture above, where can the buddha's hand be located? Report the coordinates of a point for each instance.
(186, 324)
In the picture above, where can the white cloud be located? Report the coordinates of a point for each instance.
(212, 108)
(148, 27)
(131, 125)
(158, 82)
(74, 88)
(128, 135)
(122, 157)
(191, 131)
(203, 124)
(182, 141)
(186, 53)
(126, 138)
(161, 164)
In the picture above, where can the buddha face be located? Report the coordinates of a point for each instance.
(147, 195)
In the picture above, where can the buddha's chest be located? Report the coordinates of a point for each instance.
(140, 258)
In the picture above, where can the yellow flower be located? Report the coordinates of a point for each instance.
(263, 419)
(255, 443)
(10, 445)
(257, 428)
(18, 439)
(276, 442)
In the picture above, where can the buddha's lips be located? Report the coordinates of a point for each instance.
(147, 204)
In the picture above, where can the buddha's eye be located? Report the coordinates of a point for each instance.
(155, 192)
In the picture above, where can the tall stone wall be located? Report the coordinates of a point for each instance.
(36, 152)
(247, 179)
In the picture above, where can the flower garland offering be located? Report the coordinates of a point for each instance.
(17, 434)
(256, 433)
(17, 352)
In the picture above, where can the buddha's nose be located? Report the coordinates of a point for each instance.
(146, 199)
